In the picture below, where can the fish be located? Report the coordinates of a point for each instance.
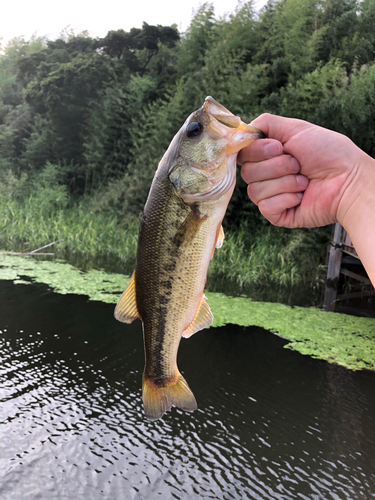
(179, 230)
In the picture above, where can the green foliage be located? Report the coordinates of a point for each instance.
(84, 122)
(92, 105)
(352, 109)
(321, 85)
(332, 98)
(151, 134)
(136, 48)
(338, 23)
(296, 24)
(88, 237)
(12, 186)
(198, 39)
(248, 259)
(38, 146)
(271, 257)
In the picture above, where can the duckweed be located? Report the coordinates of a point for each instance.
(337, 338)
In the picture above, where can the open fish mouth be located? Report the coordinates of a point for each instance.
(222, 114)
(223, 123)
(226, 117)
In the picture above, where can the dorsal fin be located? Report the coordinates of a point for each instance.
(202, 319)
(220, 237)
(126, 310)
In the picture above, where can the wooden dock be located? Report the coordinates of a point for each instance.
(341, 252)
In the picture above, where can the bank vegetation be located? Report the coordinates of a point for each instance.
(84, 122)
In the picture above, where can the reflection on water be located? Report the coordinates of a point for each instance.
(271, 423)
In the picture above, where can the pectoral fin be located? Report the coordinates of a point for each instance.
(220, 237)
(126, 310)
(202, 319)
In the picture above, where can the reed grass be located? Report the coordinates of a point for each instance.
(88, 236)
(272, 257)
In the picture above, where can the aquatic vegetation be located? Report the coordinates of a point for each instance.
(339, 338)
(64, 278)
(248, 258)
(336, 338)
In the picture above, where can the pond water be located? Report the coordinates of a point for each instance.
(271, 423)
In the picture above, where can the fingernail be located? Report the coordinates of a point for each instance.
(300, 195)
(302, 181)
(295, 165)
(272, 149)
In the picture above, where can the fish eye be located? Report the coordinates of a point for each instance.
(194, 129)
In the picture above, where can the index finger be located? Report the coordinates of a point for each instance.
(259, 150)
(279, 127)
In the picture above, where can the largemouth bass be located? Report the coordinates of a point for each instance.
(179, 230)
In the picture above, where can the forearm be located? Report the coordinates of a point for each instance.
(357, 214)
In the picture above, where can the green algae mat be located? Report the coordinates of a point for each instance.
(338, 338)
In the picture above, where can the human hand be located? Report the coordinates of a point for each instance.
(301, 176)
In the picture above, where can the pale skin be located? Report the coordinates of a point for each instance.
(303, 175)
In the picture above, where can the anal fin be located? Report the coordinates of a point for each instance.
(126, 310)
(202, 319)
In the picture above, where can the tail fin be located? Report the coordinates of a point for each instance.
(159, 399)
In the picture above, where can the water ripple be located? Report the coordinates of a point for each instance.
(271, 424)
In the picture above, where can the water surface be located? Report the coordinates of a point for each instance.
(271, 423)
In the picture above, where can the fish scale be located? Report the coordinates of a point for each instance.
(180, 227)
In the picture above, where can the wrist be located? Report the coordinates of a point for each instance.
(356, 212)
(358, 197)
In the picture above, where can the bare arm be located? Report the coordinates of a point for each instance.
(307, 176)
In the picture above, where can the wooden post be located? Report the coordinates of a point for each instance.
(333, 274)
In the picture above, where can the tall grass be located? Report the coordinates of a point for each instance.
(88, 237)
(272, 264)
(271, 257)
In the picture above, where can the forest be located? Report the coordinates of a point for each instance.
(84, 122)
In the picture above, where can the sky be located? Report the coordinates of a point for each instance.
(49, 18)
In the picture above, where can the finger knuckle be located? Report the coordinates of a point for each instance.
(246, 172)
(252, 192)
(285, 166)
(266, 116)
(263, 206)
